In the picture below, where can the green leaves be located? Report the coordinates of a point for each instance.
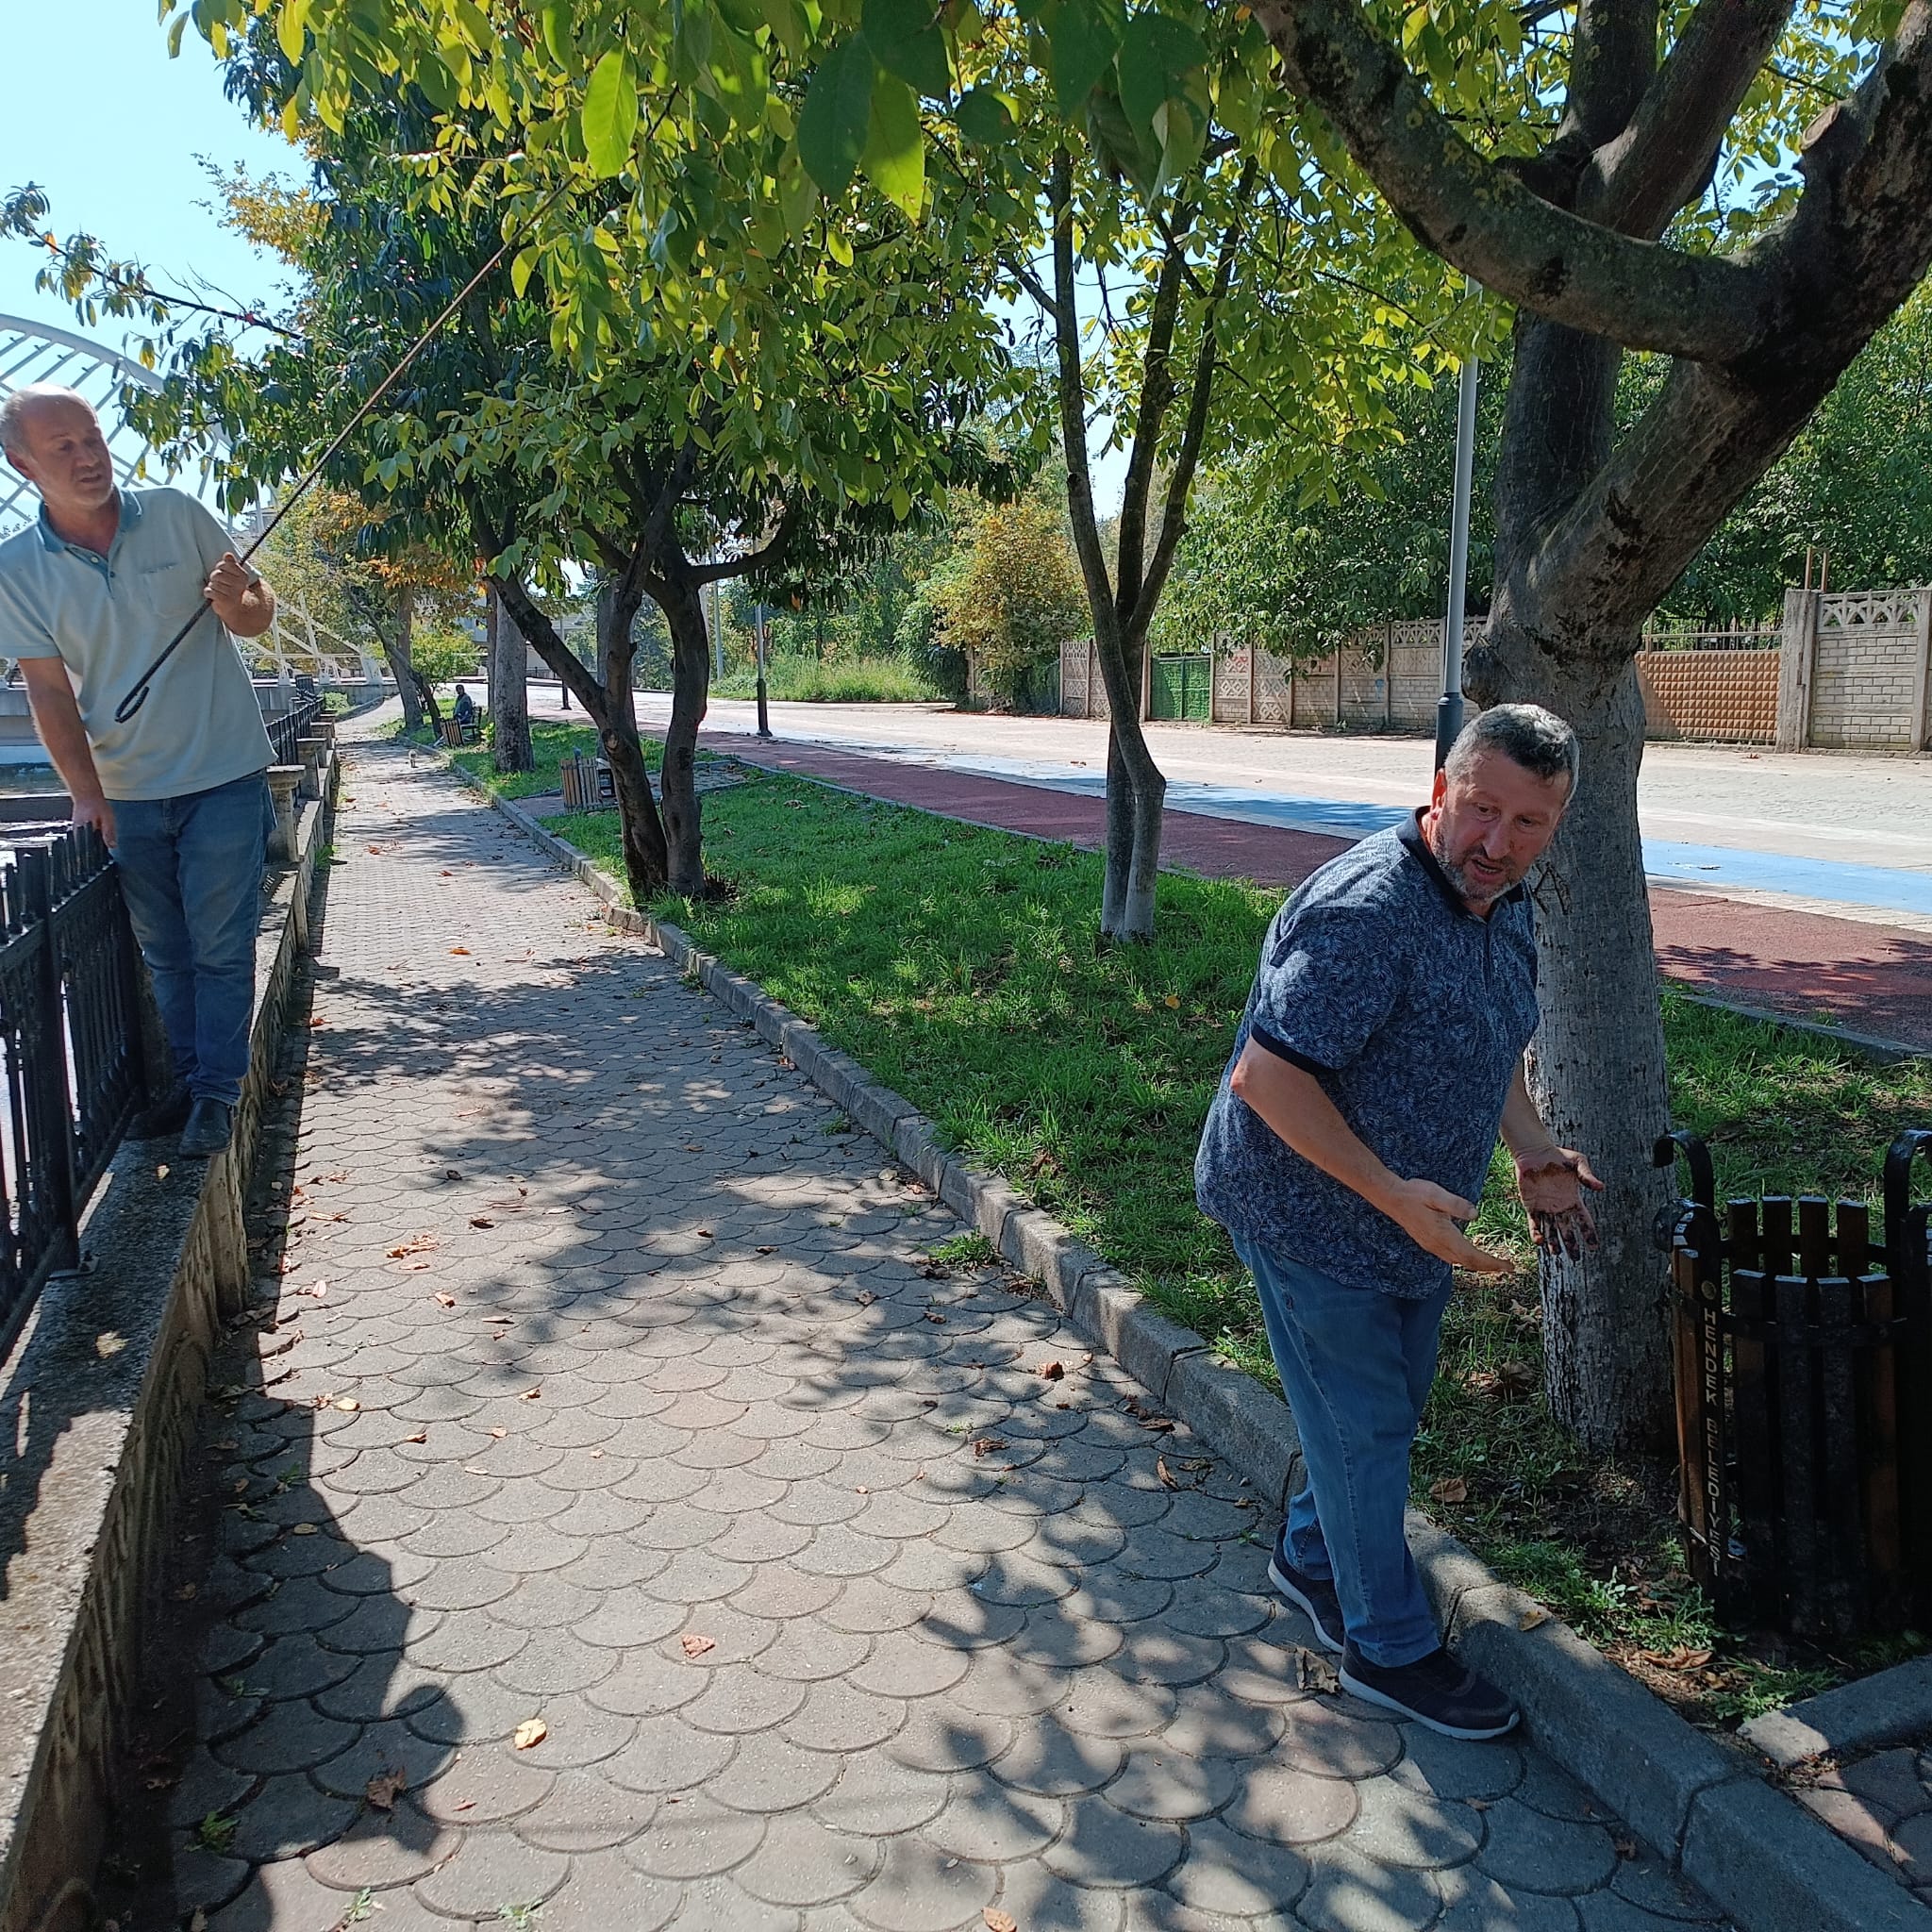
(1158, 56)
(894, 156)
(983, 118)
(904, 41)
(1083, 39)
(835, 127)
(609, 114)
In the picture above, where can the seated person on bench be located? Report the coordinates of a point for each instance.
(464, 710)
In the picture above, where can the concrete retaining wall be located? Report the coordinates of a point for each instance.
(99, 1402)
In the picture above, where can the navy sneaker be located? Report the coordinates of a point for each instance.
(1314, 1596)
(1436, 1690)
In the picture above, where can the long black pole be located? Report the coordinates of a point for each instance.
(138, 696)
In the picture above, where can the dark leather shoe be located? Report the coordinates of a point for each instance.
(168, 1115)
(211, 1123)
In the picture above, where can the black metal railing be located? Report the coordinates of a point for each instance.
(286, 729)
(71, 1069)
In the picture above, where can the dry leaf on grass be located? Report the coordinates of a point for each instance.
(1452, 1489)
(695, 1645)
(382, 1789)
(1679, 1656)
(533, 1730)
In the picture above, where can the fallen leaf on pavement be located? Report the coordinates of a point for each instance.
(1160, 1469)
(766, 1248)
(984, 1445)
(997, 1921)
(1051, 1371)
(421, 1436)
(1316, 1674)
(414, 1267)
(934, 1315)
(865, 1297)
(302, 1529)
(348, 1405)
(481, 1220)
(381, 1790)
(499, 1433)
(415, 1244)
(533, 1730)
(531, 1394)
(1452, 1489)
(695, 1645)
(443, 1301)
(462, 952)
(161, 1172)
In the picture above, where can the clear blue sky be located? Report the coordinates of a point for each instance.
(99, 116)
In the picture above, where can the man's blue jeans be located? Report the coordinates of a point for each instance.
(191, 872)
(1355, 1365)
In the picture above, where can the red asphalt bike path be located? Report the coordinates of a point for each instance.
(1871, 979)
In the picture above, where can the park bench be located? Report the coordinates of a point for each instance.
(456, 734)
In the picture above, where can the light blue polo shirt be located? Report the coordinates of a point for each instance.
(108, 618)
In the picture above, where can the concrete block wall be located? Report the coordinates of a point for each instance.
(1864, 685)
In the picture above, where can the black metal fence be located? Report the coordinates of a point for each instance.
(71, 1069)
(286, 729)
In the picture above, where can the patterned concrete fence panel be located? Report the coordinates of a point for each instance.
(1868, 670)
(1719, 696)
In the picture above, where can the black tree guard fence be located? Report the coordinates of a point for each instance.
(1803, 1384)
(70, 1054)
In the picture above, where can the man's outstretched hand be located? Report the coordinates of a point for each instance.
(1552, 1185)
(1434, 1219)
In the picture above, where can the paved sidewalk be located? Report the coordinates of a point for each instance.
(1855, 973)
(611, 1402)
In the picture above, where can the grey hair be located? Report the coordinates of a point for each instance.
(14, 407)
(1527, 735)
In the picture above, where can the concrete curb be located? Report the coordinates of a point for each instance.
(1882, 1709)
(1758, 1854)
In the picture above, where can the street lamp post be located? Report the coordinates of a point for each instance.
(759, 639)
(1449, 707)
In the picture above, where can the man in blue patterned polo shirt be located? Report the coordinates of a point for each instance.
(1380, 1053)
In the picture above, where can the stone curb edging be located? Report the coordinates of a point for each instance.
(115, 1357)
(1757, 1853)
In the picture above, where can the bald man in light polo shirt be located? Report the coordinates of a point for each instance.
(89, 597)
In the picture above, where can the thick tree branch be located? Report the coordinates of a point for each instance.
(1157, 394)
(1073, 389)
(1661, 159)
(766, 556)
(1194, 430)
(1486, 221)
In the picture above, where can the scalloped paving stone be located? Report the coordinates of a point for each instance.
(956, 1641)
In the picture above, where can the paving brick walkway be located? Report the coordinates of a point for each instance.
(609, 1390)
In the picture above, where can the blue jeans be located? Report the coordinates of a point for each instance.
(191, 872)
(1355, 1365)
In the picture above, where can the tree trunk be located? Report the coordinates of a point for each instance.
(1597, 1075)
(1597, 1063)
(511, 719)
(1136, 790)
(397, 651)
(608, 704)
(690, 684)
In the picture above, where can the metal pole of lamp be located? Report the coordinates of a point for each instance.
(717, 632)
(758, 638)
(1449, 706)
